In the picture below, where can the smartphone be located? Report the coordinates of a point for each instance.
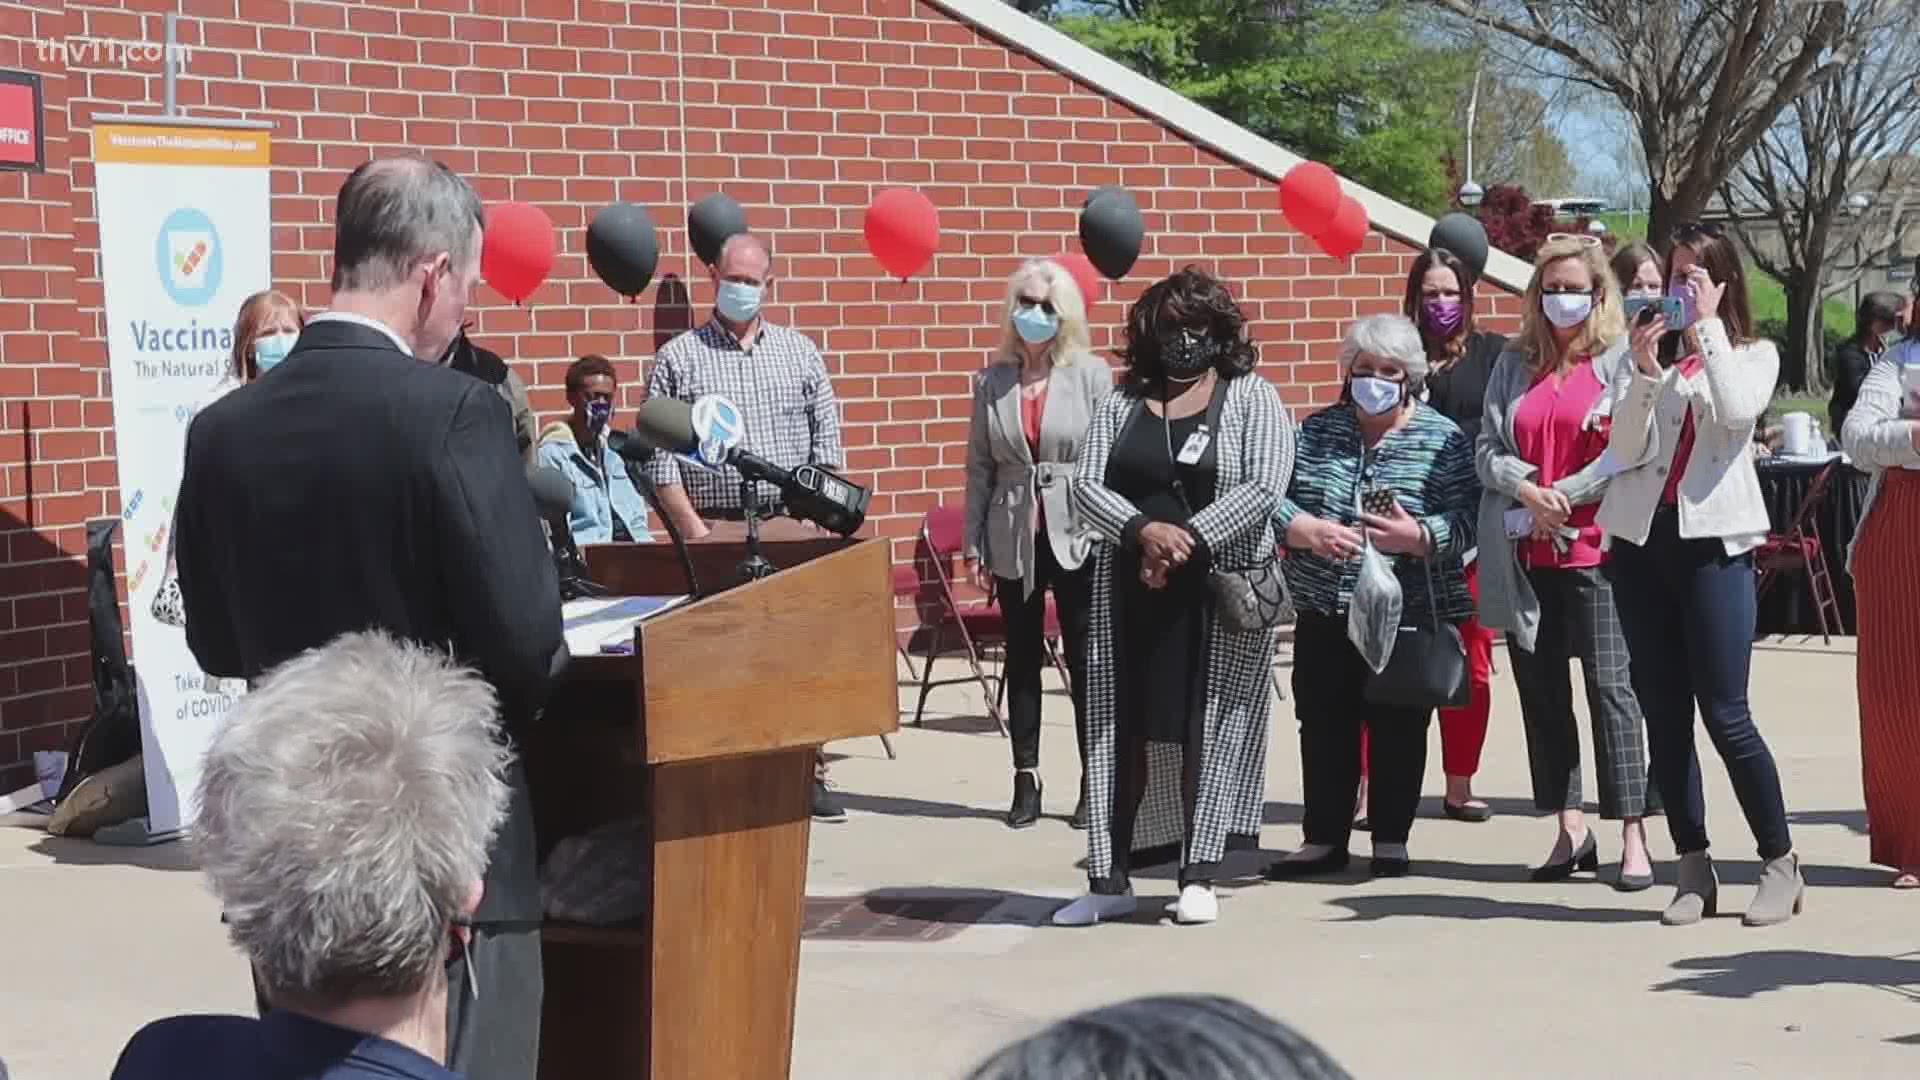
(1378, 501)
(1642, 310)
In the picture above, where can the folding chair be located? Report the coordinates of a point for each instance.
(955, 616)
(1798, 548)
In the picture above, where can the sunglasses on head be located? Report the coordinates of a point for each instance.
(1583, 239)
(1698, 228)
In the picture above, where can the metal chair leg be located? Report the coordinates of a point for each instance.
(888, 744)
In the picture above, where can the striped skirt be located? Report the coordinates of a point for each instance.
(1886, 577)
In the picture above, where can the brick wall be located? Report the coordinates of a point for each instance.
(798, 109)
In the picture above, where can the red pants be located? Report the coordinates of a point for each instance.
(1463, 731)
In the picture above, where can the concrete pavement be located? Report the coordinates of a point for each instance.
(1463, 970)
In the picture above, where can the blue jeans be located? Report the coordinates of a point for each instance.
(1687, 610)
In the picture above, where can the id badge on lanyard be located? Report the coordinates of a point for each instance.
(1195, 446)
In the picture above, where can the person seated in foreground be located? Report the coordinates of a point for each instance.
(346, 808)
(1168, 1037)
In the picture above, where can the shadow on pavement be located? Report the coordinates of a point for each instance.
(898, 807)
(1478, 909)
(1745, 975)
(1854, 820)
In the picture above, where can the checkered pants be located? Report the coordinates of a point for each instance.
(1578, 621)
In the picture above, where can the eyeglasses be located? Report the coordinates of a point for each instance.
(1583, 239)
(1043, 305)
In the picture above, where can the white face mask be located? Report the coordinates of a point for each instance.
(1566, 310)
(1374, 395)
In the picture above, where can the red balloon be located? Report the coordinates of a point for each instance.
(1309, 196)
(1347, 231)
(1080, 268)
(903, 230)
(516, 250)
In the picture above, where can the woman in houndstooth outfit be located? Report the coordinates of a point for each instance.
(1181, 472)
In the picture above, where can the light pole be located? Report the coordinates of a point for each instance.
(1857, 204)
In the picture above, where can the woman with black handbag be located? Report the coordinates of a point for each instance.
(1380, 511)
(1178, 479)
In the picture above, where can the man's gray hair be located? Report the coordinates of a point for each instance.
(1189, 1036)
(345, 812)
(394, 212)
(1389, 337)
(746, 239)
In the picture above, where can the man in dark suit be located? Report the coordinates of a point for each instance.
(367, 486)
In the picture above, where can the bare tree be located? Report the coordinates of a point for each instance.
(1835, 177)
(1701, 80)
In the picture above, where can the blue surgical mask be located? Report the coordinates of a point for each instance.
(1036, 327)
(272, 349)
(598, 413)
(1374, 395)
(738, 302)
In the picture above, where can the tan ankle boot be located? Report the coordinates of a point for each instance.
(1782, 892)
(1698, 896)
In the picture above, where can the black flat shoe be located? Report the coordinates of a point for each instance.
(1026, 800)
(1079, 818)
(1294, 869)
(1384, 867)
(1584, 858)
(1475, 814)
(1361, 824)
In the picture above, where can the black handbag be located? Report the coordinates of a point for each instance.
(1246, 599)
(1428, 666)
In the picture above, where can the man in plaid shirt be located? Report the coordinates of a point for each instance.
(777, 379)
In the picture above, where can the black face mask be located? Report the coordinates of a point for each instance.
(1188, 354)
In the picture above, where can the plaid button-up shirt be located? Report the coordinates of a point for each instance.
(781, 387)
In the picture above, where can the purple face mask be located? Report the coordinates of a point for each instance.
(1442, 317)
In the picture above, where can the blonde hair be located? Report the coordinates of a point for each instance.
(1606, 322)
(257, 312)
(1072, 340)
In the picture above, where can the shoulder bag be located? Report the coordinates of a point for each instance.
(1428, 666)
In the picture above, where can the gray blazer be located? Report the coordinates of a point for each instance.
(1507, 600)
(1005, 485)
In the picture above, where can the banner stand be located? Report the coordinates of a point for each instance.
(185, 215)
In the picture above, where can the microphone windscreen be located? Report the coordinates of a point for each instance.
(666, 424)
(552, 491)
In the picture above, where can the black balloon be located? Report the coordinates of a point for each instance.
(1463, 235)
(711, 222)
(622, 248)
(1111, 231)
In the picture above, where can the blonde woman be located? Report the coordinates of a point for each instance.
(1541, 451)
(264, 331)
(1031, 407)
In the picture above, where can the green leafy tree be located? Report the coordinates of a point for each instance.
(1344, 82)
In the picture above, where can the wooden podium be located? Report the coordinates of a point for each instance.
(708, 732)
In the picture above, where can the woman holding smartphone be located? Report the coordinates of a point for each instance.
(1460, 358)
(1540, 458)
(1685, 516)
(1883, 434)
(1382, 461)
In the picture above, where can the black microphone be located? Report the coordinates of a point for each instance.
(553, 495)
(637, 454)
(811, 493)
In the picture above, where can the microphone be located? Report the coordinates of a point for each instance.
(553, 495)
(637, 454)
(709, 432)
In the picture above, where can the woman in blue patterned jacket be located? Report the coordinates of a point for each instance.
(1379, 437)
(1180, 473)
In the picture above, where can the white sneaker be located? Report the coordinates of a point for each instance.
(1094, 907)
(1197, 904)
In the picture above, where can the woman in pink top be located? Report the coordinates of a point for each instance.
(1541, 460)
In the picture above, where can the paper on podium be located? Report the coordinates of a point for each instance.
(605, 624)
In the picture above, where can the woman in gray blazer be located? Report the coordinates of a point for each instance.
(1030, 413)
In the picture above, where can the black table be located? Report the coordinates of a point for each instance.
(1788, 606)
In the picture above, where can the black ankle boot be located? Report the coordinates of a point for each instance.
(1026, 800)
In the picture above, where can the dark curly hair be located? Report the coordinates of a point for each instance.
(1189, 300)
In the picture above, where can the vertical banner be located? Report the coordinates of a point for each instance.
(185, 238)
